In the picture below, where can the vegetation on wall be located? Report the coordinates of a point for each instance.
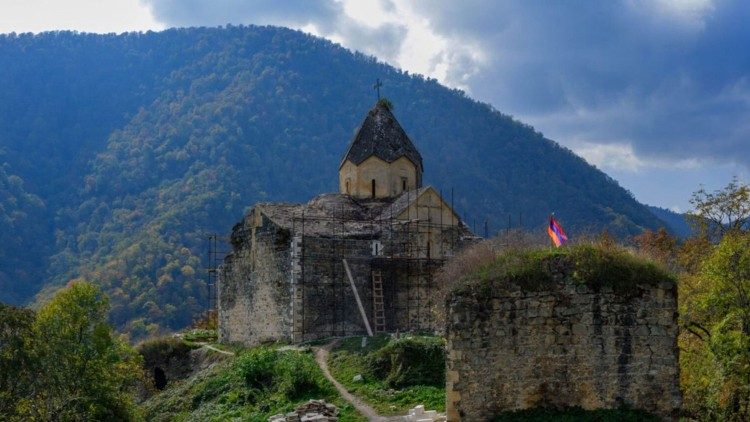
(595, 265)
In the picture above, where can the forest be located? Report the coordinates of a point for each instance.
(120, 154)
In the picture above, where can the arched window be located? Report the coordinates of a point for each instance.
(348, 192)
(373, 188)
(403, 184)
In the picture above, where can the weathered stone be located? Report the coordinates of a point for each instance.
(610, 350)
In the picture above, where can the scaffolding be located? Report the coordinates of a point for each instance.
(397, 255)
(216, 251)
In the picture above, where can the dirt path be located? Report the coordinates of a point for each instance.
(321, 357)
(209, 347)
(212, 348)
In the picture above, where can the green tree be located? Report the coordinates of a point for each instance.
(720, 212)
(16, 362)
(83, 372)
(716, 343)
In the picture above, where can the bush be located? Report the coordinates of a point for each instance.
(161, 350)
(410, 361)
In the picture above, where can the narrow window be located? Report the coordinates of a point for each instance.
(347, 187)
(428, 249)
(373, 188)
(403, 184)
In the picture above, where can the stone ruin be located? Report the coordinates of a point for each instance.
(564, 345)
(312, 411)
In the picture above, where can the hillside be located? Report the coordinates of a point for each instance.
(674, 221)
(120, 153)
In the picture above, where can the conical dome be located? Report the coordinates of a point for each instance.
(381, 135)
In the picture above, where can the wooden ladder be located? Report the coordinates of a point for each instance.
(378, 310)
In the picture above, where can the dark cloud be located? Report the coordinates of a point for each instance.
(672, 79)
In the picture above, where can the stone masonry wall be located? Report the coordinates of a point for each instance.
(566, 346)
(254, 294)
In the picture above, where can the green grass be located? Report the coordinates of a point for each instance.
(252, 386)
(594, 266)
(200, 335)
(349, 359)
(576, 414)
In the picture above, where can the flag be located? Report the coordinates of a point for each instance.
(556, 232)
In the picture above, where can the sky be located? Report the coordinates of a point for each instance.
(656, 93)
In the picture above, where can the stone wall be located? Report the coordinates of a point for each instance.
(254, 294)
(567, 345)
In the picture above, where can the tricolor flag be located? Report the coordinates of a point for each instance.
(556, 232)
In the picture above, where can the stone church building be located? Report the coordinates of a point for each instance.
(357, 261)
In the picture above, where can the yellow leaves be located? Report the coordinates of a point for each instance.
(187, 271)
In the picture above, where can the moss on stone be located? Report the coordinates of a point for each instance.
(538, 269)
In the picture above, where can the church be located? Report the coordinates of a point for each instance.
(355, 262)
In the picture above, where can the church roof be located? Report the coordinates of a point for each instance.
(335, 214)
(382, 136)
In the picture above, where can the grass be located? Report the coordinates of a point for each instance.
(254, 385)
(349, 359)
(200, 335)
(594, 266)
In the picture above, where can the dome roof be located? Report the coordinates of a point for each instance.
(382, 136)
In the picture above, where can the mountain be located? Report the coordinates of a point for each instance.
(119, 154)
(674, 221)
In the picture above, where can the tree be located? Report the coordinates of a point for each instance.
(716, 317)
(82, 371)
(724, 211)
(658, 245)
(16, 363)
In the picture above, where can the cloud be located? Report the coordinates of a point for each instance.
(668, 78)
(326, 18)
(297, 13)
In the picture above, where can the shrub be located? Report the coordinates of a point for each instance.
(410, 361)
(161, 350)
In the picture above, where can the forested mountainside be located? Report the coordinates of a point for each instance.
(673, 221)
(120, 153)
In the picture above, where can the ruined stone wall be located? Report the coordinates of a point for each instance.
(567, 345)
(254, 292)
